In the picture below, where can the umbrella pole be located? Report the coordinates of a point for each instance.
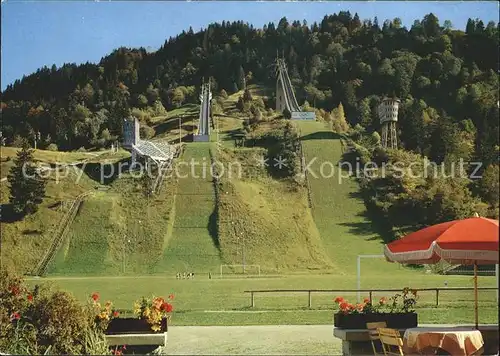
(475, 296)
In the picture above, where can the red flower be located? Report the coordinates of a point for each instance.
(383, 301)
(366, 300)
(95, 296)
(171, 297)
(15, 316)
(124, 347)
(14, 290)
(29, 297)
(339, 300)
(116, 313)
(169, 307)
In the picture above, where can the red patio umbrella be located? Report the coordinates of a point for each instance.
(472, 241)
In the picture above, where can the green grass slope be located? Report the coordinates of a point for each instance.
(118, 231)
(24, 241)
(193, 246)
(338, 210)
(265, 222)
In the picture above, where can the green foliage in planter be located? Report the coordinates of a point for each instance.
(403, 302)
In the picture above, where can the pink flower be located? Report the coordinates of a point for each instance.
(14, 290)
(15, 316)
(344, 306)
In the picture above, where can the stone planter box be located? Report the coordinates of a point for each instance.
(358, 321)
(133, 326)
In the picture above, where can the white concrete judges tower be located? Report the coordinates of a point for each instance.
(388, 114)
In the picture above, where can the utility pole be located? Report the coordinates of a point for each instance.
(243, 250)
(123, 254)
(180, 128)
(217, 132)
(37, 137)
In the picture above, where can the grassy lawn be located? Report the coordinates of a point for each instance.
(48, 156)
(217, 301)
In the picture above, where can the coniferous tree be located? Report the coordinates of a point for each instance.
(241, 78)
(247, 96)
(287, 114)
(147, 181)
(27, 188)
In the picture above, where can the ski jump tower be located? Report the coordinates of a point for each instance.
(388, 114)
(285, 96)
(203, 133)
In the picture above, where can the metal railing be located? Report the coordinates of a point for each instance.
(305, 173)
(61, 231)
(369, 291)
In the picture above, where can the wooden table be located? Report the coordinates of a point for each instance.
(460, 341)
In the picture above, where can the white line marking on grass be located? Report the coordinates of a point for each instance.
(237, 311)
(263, 311)
(214, 280)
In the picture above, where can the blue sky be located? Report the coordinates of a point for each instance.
(38, 33)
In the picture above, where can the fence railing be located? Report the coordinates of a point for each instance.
(369, 291)
(59, 235)
(305, 172)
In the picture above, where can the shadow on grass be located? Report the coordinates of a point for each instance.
(185, 138)
(173, 123)
(8, 215)
(231, 135)
(212, 228)
(321, 135)
(377, 223)
(32, 232)
(351, 157)
(106, 173)
(415, 267)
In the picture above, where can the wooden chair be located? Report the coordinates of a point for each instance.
(391, 340)
(373, 334)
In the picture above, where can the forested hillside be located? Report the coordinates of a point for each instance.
(447, 80)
